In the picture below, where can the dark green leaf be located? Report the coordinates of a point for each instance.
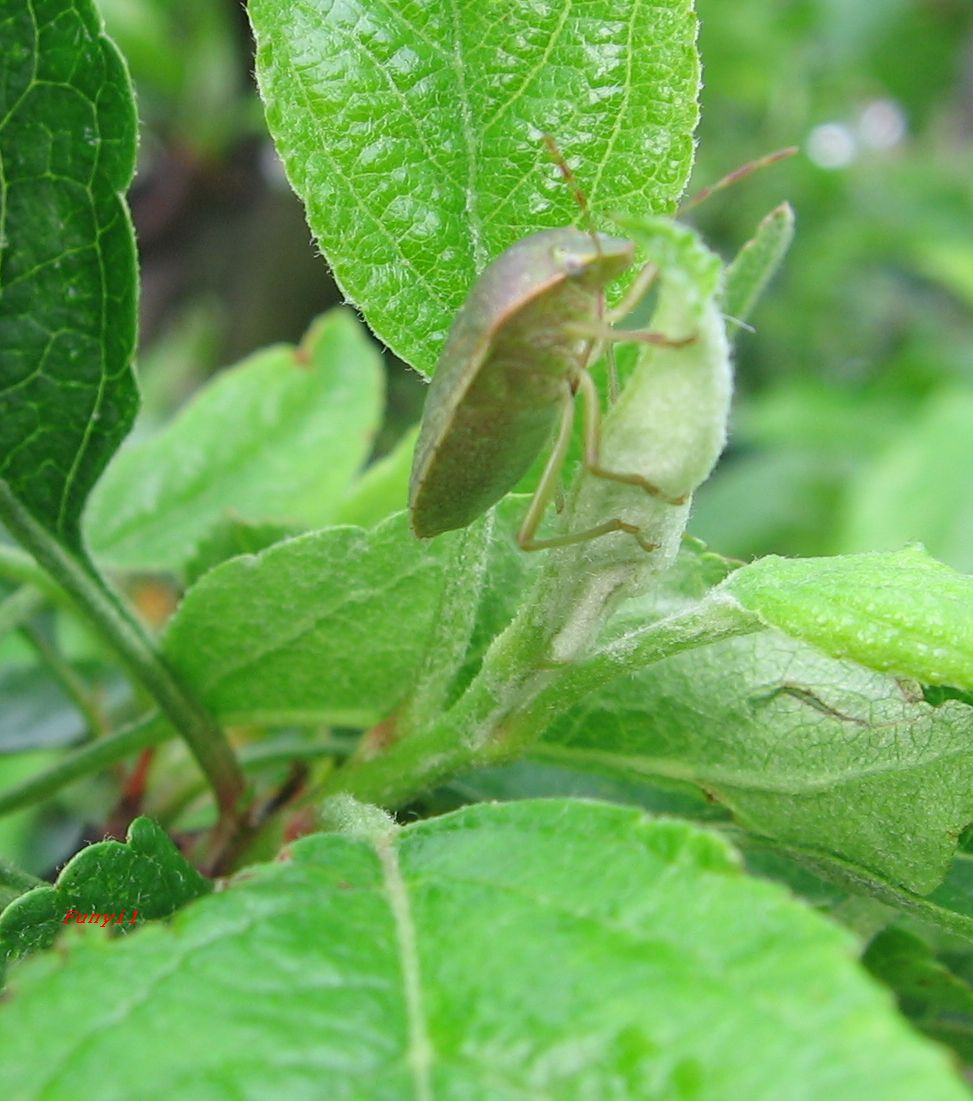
(147, 874)
(67, 266)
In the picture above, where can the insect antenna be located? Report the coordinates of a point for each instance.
(582, 200)
(571, 180)
(736, 175)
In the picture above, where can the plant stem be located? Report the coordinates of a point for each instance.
(18, 607)
(81, 581)
(453, 626)
(83, 761)
(65, 675)
(498, 718)
(14, 882)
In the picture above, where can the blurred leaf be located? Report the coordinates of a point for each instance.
(147, 874)
(902, 612)
(13, 882)
(906, 963)
(535, 777)
(410, 212)
(645, 932)
(803, 749)
(276, 439)
(950, 262)
(228, 538)
(67, 311)
(382, 489)
(184, 58)
(825, 420)
(921, 487)
(785, 499)
(23, 838)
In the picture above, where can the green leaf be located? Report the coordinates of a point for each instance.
(67, 267)
(278, 438)
(755, 264)
(904, 612)
(907, 964)
(919, 486)
(147, 874)
(813, 752)
(328, 627)
(410, 210)
(373, 964)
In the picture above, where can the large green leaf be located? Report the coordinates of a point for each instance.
(822, 754)
(334, 626)
(412, 133)
(278, 438)
(542, 949)
(67, 261)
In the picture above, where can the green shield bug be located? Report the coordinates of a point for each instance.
(505, 384)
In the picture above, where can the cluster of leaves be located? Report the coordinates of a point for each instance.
(813, 712)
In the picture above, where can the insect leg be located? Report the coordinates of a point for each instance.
(626, 336)
(592, 446)
(550, 482)
(547, 486)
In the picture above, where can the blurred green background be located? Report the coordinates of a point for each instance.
(854, 420)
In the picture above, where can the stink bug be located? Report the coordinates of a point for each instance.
(516, 356)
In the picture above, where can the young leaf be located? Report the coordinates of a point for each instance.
(544, 949)
(147, 874)
(410, 211)
(278, 438)
(902, 612)
(754, 265)
(67, 307)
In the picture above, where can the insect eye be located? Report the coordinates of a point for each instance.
(571, 262)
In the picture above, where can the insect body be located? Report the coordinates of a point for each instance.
(509, 369)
